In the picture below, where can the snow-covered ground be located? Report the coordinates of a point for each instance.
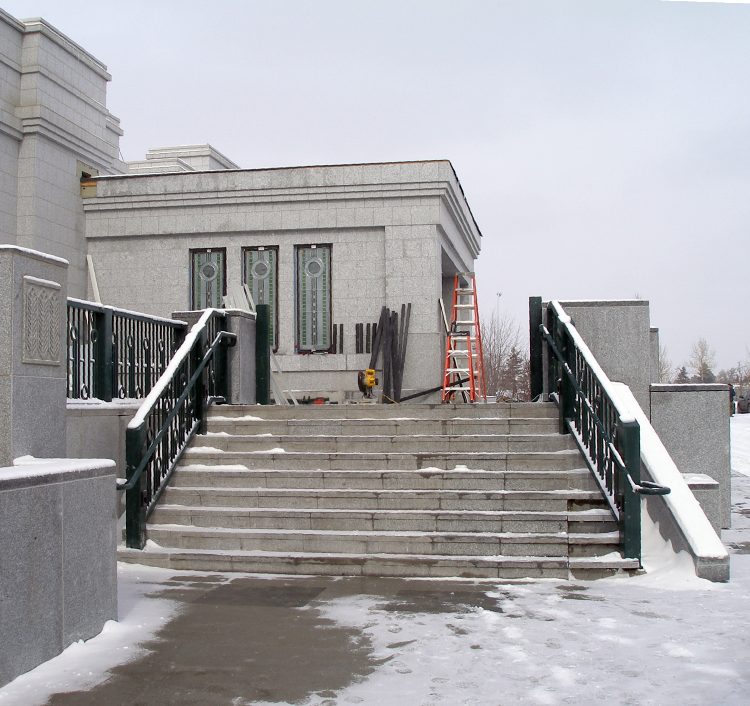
(654, 639)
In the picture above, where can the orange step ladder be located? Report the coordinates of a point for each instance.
(464, 362)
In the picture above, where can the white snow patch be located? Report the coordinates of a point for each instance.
(84, 664)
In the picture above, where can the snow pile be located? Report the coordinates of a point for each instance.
(85, 664)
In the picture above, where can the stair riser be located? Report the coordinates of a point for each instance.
(397, 444)
(177, 496)
(384, 427)
(325, 566)
(559, 480)
(348, 522)
(434, 411)
(320, 543)
(406, 462)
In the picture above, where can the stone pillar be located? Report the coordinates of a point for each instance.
(240, 357)
(619, 335)
(693, 423)
(33, 358)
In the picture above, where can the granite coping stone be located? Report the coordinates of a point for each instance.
(692, 387)
(28, 471)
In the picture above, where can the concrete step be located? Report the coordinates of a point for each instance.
(357, 499)
(388, 427)
(389, 565)
(592, 520)
(448, 543)
(239, 476)
(295, 460)
(505, 410)
(416, 443)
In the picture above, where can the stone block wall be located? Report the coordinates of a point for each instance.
(619, 335)
(58, 578)
(33, 359)
(54, 125)
(397, 232)
(693, 424)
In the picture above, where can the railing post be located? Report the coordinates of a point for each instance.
(221, 366)
(629, 435)
(102, 381)
(536, 373)
(135, 506)
(262, 354)
(199, 394)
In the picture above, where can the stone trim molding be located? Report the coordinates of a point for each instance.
(41, 319)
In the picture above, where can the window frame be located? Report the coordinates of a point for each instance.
(197, 251)
(275, 248)
(297, 313)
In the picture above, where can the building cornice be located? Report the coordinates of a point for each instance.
(41, 26)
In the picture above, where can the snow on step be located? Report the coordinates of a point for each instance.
(479, 491)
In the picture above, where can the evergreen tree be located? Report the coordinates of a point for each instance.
(682, 376)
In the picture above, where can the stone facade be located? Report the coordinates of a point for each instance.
(693, 423)
(54, 127)
(398, 232)
(620, 336)
(33, 361)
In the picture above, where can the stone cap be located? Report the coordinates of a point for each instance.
(690, 387)
(29, 471)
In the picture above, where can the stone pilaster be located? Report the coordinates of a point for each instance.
(33, 359)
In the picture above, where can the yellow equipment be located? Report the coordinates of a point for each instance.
(366, 380)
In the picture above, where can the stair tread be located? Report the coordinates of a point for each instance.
(356, 557)
(527, 514)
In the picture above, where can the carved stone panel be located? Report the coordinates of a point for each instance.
(41, 321)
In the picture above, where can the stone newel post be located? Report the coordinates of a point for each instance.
(33, 359)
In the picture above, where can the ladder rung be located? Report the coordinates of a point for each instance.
(464, 290)
(457, 370)
(463, 306)
(457, 389)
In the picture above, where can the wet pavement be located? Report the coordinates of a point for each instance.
(227, 639)
(244, 640)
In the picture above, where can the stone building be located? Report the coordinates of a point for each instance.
(326, 246)
(54, 128)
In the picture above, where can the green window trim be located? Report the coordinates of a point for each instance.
(260, 271)
(208, 278)
(313, 298)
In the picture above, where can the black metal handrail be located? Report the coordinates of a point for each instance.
(170, 416)
(115, 353)
(607, 435)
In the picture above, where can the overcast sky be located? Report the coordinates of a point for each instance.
(603, 145)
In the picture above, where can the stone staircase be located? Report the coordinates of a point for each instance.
(473, 491)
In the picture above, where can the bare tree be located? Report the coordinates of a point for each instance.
(506, 367)
(665, 365)
(702, 361)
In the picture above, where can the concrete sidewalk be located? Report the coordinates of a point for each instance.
(227, 639)
(247, 639)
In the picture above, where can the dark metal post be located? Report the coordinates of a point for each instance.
(135, 502)
(568, 392)
(263, 354)
(199, 392)
(629, 434)
(102, 382)
(221, 365)
(536, 374)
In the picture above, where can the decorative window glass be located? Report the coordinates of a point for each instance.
(313, 280)
(208, 278)
(260, 271)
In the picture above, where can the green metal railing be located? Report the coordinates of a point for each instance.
(608, 436)
(114, 353)
(170, 416)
